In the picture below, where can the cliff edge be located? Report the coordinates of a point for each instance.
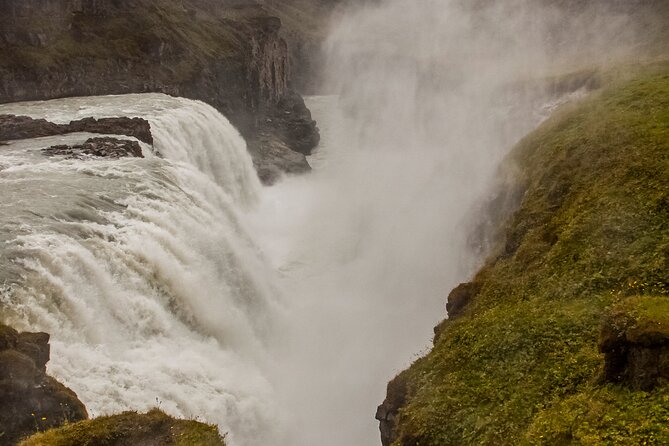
(562, 337)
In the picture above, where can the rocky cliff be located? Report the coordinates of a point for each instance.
(228, 54)
(30, 400)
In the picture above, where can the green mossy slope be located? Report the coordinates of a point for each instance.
(154, 428)
(590, 239)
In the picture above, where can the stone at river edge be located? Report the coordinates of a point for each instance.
(30, 400)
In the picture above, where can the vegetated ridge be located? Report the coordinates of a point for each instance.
(153, 428)
(563, 336)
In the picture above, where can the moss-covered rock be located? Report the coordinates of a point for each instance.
(635, 341)
(587, 250)
(153, 428)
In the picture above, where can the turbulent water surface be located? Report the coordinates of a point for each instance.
(141, 269)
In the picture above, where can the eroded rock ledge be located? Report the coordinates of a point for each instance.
(23, 127)
(99, 147)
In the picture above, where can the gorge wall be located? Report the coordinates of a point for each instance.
(227, 54)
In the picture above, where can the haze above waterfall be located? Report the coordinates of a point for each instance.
(431, 96)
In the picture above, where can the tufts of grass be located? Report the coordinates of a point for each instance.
(153, 428)
(590, 239)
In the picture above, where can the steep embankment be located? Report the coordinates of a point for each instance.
(229, 55)
(562, 337)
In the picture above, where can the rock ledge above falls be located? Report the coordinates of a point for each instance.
(24, 127)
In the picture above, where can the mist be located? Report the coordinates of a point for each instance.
(428, 98)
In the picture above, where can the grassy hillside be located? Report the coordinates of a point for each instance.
(130, 428)
(584, 261)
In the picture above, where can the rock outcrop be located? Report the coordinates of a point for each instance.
(99, 147)
(460, 297)
(283, 139)
(272, 158)
(635, 343)
(388, 411)
(22, 127)
(30, 400)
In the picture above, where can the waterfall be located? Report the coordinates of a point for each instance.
(184, 131)
(142, 269)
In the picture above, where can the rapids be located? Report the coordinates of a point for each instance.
(141, 269)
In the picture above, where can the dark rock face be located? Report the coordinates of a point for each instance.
(460, 297)
(282, 140)
(22, 127)
(291, 122)
(388, 411)
(30, 400)
(100, 147)
(136, 127)
(634, 355)
(272, 158)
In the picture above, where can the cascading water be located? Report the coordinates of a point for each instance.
(141, 269)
